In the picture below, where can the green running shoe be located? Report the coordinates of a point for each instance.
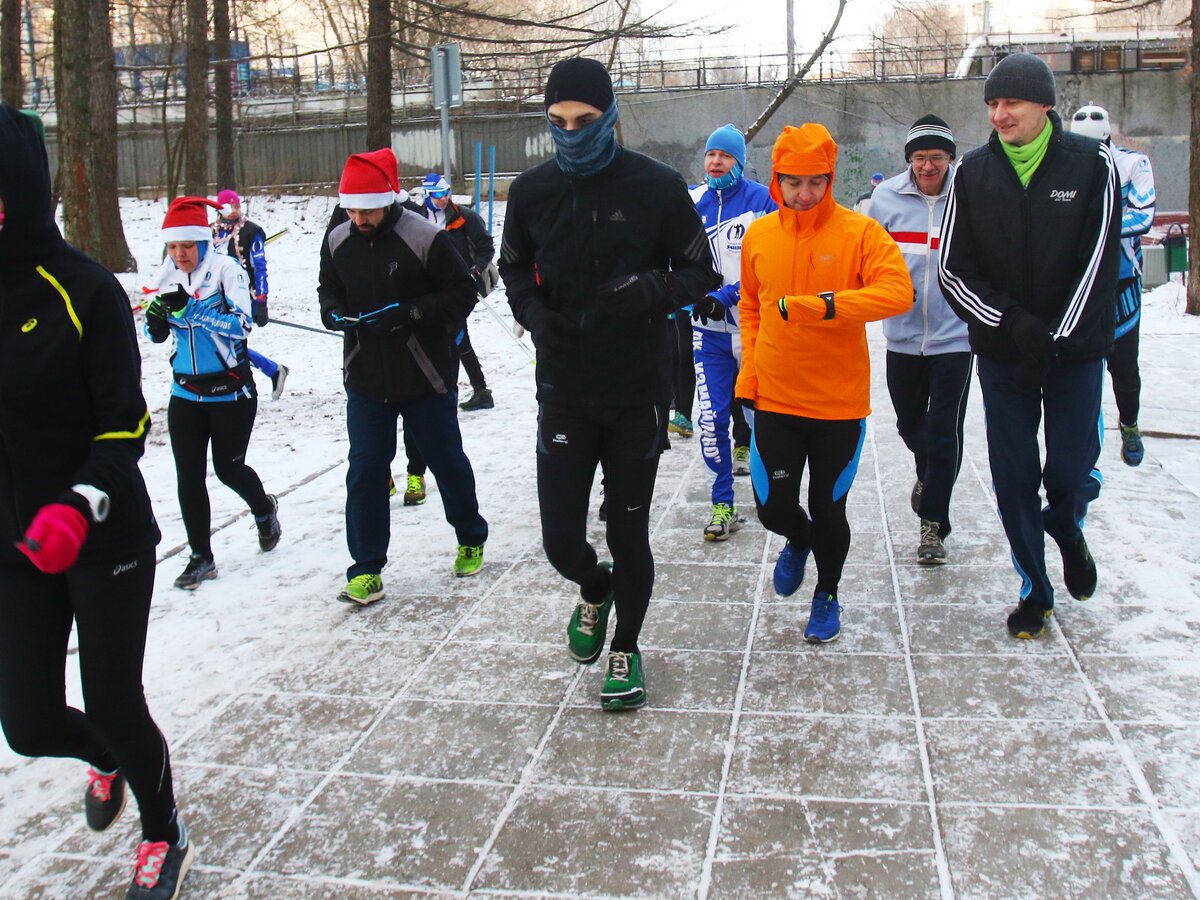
(414, 490)
(362, 590)
(469, 561)
(725, 521)
(624, 683)
(588, 626)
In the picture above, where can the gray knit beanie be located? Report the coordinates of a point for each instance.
(1020, 76)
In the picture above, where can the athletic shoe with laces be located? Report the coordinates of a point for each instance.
(480, 399)
(362, 590)
(160, 868)
(268, 526)
(277, 381)
(589, 625)
(931, 551)
(414, 490)
(725, 521)
(824, 619)
(469, 561)
(624, 682)
(105, 799)
(1132, 450)
(914, 499)
(1079, 569)
(199, 568)
(1028, 621)
(391, 486)
(681, 425)
(741, 460)
(789, 569)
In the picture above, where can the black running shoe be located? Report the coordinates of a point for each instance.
(1028, 621)
(199, 568)
(1079, 569)
(268, 526)
(160, 868)
(104, 800)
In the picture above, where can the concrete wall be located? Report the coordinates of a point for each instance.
(870, 122)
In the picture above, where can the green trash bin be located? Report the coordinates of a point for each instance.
(1175, 244)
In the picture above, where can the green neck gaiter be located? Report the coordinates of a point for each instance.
(1027, 158)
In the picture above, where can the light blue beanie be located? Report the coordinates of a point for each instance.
(729, 139)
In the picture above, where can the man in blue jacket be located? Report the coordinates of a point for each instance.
(1029, 259)
(727, 203)
(928, 355)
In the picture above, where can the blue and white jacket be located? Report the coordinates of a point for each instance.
(1137, 207)
(726, 215)
(210, 335)
(915, 222)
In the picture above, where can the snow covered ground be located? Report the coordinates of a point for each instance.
(442, 742)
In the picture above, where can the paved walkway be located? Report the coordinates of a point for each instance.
(443, 742)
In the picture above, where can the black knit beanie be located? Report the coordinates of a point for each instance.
(930, 133)
(579, 79)
(1020, 76)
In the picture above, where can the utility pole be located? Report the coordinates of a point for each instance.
(791, 39)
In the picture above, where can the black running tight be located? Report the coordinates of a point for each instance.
(110, 605)
(227, 425)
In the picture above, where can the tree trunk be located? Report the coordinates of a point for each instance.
(223, 96)
(379, 74)
(73, 98)
(112, 250)
(12, 81)
(195, 110)
(1193, 286)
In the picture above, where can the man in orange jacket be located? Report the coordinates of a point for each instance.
(813, 273)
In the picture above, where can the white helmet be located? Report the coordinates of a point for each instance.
(1091, 121)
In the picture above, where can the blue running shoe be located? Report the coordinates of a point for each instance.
(1132, 449)
(789, 569)
(824, 621)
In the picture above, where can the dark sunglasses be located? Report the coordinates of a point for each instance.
(1081, 116)
(438, 195)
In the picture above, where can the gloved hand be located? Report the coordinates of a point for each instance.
(1035, 344)
(156, 321)
(54, 537)
(783, 310)
(552, 331)
(635, 296)
(259, 310)
(708, 308)
(336, 320)
(174, 302)
(389, 318)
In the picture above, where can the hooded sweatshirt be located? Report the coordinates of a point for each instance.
(809, 365)
(71, 404)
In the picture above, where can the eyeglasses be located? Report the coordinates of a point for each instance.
(938, 159)
(438, 195)
(1094, 116)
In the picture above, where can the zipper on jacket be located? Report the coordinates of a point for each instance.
(928, 256)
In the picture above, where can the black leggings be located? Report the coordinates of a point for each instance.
(227, 425)
(685, 366)
(781, 448)
(1126, 379)
(627, 441)
(110, 604)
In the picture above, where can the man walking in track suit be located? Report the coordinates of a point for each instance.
(396, 288)
(813, 274)
(1137, 215)
(1030, 247)
(600, 244)
(928, 354)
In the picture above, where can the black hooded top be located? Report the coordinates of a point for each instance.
(71, 404)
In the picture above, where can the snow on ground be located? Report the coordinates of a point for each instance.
(243, 667)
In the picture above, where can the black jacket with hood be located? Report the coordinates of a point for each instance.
(1052, 248)
(71, 404)
(406, 260)
(564, 236)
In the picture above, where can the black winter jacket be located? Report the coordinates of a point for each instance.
(406, 260)
(470, 235)
(565, 236)
(71, 404)
(1052, 248)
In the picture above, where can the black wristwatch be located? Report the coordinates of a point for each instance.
(827, 296)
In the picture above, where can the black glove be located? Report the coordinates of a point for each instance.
(708, 307)
(336, 320)
(395, 316)
(1035, 346)
(635, 296)
(259, 309)
(552, 331)
(156, 322)
(174, 302)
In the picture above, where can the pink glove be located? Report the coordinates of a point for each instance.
(54, 537)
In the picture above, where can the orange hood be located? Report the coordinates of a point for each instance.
(805, 150)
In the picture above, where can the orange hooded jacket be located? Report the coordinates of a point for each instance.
(808, 365)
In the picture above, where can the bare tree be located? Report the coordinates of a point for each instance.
(195, 170)
(72, 34)
(12, 81)
(379, 75)
(223, 95)
(111, 250)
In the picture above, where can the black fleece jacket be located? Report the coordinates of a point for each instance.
(71, 404)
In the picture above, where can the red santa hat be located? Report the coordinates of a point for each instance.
(187, 219)
(369, 180)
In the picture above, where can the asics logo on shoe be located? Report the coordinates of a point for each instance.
(617, 216)
(124, 567)
(1063, 196)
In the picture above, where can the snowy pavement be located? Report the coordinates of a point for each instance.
(442, 742)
